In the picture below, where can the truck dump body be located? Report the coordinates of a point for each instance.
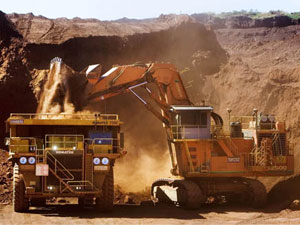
(64, 155)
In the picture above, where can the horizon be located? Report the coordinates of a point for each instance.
(137, 9)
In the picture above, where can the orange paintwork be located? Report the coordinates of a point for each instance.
(120, 78)
(243, 145)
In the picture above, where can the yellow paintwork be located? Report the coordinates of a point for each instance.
(63, 119)
(19, 145)
(69, 122)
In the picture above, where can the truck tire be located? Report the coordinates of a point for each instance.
(20, 202)
(105, 201)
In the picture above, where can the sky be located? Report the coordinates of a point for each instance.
(138, 9)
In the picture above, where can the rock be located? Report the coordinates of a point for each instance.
(2, 189)
(9, 174)
(295, 205)
(128, 200)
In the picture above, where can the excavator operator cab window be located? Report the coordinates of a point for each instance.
(191, 122)
(191, 117)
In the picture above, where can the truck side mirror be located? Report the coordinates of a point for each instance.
(121, 140)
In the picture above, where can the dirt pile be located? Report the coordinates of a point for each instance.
(123, 197)
(285, 192)
(6, 176)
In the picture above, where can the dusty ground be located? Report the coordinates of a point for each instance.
(163, 214)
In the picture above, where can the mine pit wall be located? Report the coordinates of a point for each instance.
(15, 92)
(183, 45)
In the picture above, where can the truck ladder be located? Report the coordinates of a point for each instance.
(66, 178)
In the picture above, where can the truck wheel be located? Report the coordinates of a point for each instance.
(105, 201)
(20, 202)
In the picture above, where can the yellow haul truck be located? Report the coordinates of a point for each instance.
(64, 156)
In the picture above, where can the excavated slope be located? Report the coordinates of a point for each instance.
(39, 29)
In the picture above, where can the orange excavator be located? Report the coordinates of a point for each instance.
(208, 161)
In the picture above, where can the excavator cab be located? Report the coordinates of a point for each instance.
(191, 122)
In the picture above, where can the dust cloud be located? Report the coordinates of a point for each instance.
(145, 141)
(135, 172)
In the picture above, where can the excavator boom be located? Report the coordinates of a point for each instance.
(121, 79)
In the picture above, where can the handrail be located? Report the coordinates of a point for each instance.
(39, 155)
(276, 142)
(248, 122)
(63, 169)
(115, 142)
(103, 139)
(49, 142)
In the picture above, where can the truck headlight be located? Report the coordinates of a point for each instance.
(96, 161)
(23, 160)
(31, 160)
(105, 161)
